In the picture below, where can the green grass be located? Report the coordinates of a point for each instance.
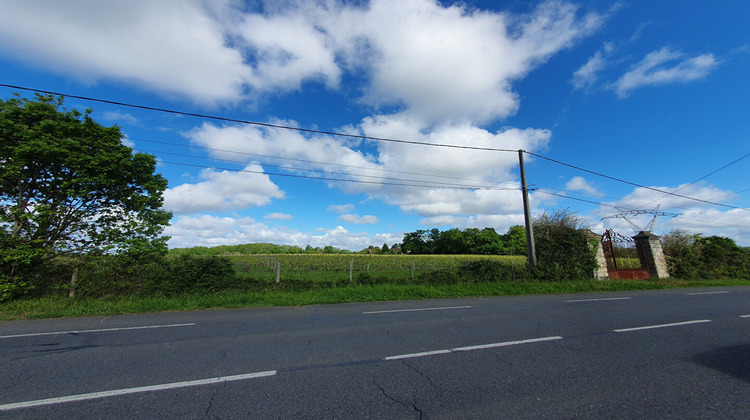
(283, 295)
(334, 267)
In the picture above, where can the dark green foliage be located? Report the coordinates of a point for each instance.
(197, 274)
(470, 241)
(713, 257)
(257, 248)
(440, 276)
(128, 274)
(68, 186)
(480, 271)
(514, 242)
(563, 250)
(367, 278)
(18, 259)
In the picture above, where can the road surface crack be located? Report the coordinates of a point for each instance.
(414, 406)
(208, 414)
(382, 390)
(401, 403)
(429, 379)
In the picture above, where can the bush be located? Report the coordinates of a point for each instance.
(479, 271)
(440, 276)
(367, 278)
(196, 274)
(563, 250)
(18, 263)
(713, 257)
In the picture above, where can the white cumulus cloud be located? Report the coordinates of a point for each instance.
(579, 183)
(206, 230)
(359, 220)
(169, 46)
(340, 208)
(664, 66)
(279, 216)
(223, 190)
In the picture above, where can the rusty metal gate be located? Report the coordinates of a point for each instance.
(622, 255)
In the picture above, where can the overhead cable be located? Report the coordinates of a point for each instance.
(356, 136)
(635, 184)
(436, 183)
(308, 161)
(464, 187)
(256, 123)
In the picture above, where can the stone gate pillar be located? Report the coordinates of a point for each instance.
(595, 240)
(651, 254)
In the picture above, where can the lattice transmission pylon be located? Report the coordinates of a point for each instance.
(624, 213)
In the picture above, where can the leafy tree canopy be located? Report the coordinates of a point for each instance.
(469, 241)
(712, 257)
(68, 184)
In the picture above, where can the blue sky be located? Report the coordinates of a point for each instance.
(652, 93)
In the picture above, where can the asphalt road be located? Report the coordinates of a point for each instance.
(659, 354)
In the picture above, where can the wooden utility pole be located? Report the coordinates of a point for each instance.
(531, 249)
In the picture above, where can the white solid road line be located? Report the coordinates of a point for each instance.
(650, 327)
(416, 310)
(99, 330)
(598, 299)
(126, 391)
(470, 348)
(708, 293)
(744, 316)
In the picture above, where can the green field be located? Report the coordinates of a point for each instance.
(337, 268)
(306, 279)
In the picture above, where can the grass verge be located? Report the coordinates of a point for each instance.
(55, 307)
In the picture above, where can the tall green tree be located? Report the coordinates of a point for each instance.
(514, 242)
(69, 185)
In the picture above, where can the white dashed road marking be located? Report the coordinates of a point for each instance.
(675, 324)
(126, 391)
(598, 299)
(417, 310)
(146, 327)
(721, 292)
(470, 348)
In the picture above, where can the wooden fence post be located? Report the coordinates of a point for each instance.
(278, 271)
(351, 270)
(411, 270)
(73, 281)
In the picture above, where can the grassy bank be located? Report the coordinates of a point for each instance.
(54, 307)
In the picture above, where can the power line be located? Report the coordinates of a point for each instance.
(308, 161)
(355, 181)
(256, 123)
(704, 176)
(712, 199)
(633, 183)
(356, 136)
(442, 184)
(574, 198)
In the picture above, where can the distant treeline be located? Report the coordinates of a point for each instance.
(258, 248)
(470, 241)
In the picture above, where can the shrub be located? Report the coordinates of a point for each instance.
(563, 250)
(440, 276)
(367, 278)
(489, 270)
(18, 263)
(196, 274)
(712, 257)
